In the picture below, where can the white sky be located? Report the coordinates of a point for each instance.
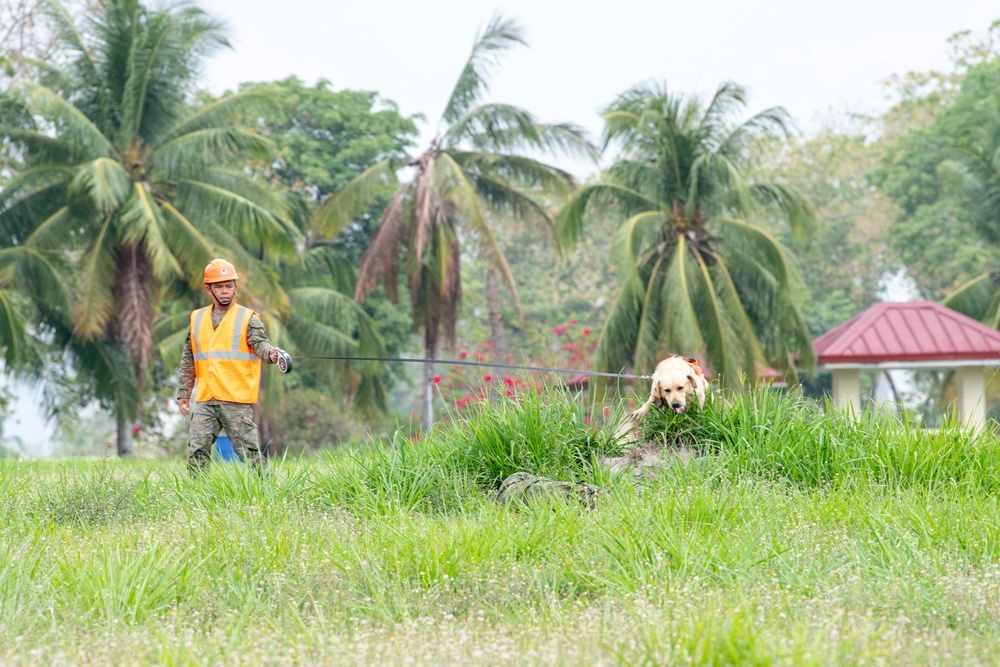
(811, 57)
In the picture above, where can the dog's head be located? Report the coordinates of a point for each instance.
(675, 388)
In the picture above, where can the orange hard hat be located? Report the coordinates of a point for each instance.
(219, 271)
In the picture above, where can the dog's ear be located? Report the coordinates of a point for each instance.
(654, 395)
(693, 382)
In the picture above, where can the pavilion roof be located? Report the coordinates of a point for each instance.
(915, 331)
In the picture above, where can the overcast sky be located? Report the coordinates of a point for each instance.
(814, 58)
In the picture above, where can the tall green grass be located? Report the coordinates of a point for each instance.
(795, 538)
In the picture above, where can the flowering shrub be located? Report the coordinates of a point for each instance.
(570, 346)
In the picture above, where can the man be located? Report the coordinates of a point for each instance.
(226, 344)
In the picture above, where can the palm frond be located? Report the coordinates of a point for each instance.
(14, 339)
(500, 35)
(618, 335)
(228, 111)
(75, 129)
(516, 170)
(20, 218)
(455, 187)
(681, 333)
(186, 239)
(351, 201)
(188, 153)
(95, 302)
(39, 275)
(104, 182)
(976, 298)
(252, 213)
(379, 260)
(569, 222)
(646, 353)
(39, 146)
(142, 224)
(33, 178)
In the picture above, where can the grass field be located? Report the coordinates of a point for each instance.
(795, 539)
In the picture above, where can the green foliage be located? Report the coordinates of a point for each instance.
(937, 233)
(313, 420)
(325, 138)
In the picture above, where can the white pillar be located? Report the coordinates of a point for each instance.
(847, 389)
(970, 385)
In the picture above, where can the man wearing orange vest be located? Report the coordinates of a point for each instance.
(226, 344)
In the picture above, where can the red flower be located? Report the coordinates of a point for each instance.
(480, 396)
(606, 411)
(136, 429)
(509, 381)
(573, 321)
(436, 379)
(560, 330)
(586, 332)
(487, 378)
(463, 354)
(510, 392)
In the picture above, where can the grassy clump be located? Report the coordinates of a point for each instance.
(788, 438)
(795, 539)
(103, 496)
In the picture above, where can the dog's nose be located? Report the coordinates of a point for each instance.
(676, 405)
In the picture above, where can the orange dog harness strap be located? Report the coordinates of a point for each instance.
(693, 362)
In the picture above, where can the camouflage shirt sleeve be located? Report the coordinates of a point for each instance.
(257, 339)
(186, 383)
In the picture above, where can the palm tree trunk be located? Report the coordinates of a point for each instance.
(430, 353)
(496, 329)
(125, 445)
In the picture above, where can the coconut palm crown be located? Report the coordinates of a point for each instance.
(478, 164)
(697, 276)
(119, 170)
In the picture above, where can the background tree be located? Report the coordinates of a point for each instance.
(478, 163)
(696, 276)
(325, 138)
(847, 253)
(122, 172)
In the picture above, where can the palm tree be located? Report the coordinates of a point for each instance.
(122, 172)
(477, 163)
(697, 276)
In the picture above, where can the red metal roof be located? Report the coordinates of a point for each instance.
(912, 331)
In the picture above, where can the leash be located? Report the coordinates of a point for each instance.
(478, 364)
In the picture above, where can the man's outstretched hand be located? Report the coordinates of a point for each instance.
(185, 406)
(273, 355)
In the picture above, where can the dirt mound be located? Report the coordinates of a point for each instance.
(644, 459)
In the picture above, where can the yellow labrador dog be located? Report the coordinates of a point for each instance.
(677, 381)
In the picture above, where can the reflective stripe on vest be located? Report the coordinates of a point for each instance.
(224, 365)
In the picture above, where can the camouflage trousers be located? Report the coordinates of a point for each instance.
(210, 417)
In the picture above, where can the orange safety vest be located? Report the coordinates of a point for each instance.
(225, 367)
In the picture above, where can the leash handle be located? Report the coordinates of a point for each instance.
(284, 362)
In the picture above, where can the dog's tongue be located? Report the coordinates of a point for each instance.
(679, 410)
